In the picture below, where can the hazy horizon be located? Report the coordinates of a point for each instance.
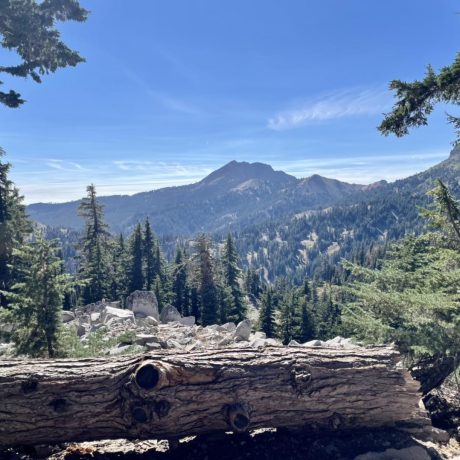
(292, 171)
(189, 86)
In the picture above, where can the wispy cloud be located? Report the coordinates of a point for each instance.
(69, 166)
(338, 104)
(172, 103)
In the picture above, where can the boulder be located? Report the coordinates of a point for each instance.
(229, 327)
(187, 320)
(243, 330)
(313, 343)
(143, 303)
(142, 339)
(294, 343)
(151, 321)
(153, 346)
(169, 314)
(110, 312)
(95, 317)
(81, 330)
(67, 316)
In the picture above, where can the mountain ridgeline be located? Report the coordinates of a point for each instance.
(285, 226)
(231, 197)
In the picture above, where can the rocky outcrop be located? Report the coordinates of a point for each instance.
(143, 303)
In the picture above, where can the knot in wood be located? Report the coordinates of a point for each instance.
(237, 416)
(147, 376)
(301, 379)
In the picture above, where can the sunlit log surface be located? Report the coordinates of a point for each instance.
(175, 394)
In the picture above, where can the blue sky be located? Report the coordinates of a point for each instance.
(173, 89)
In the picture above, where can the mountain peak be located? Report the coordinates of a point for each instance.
(235, 172)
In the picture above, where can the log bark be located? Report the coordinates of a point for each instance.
(174, 394)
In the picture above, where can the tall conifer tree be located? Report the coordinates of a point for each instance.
(237, 310)
(136, 282)
(37, 298)
(95, 269)
(150, 256)
(267, 312)
(13, 227)
(206, 284)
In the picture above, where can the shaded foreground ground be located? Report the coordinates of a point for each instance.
(366, 444)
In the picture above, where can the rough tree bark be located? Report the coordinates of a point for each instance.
(170, 395)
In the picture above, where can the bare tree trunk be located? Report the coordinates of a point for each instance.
(174, 394)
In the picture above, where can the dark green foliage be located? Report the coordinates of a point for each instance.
(136, 281)
(236, 310)
(416, 100)
(28, 28)
(207, 291)
(13, 226)
(120, 263)
(307, 324)
(413, 298)
(253, 284)
(150, 255)
(267, 314)
(95, 270)
(288, 320)
(446, 214)
(159, 293)
(179, 283)
(37, 298)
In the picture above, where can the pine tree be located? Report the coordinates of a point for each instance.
(307, 328)
(446, 213)
(13, 226)
(37, 299)
(150, 254)
(195, 307)
(287, 325)
(136, 281)
(237, 307)
(206, 284)
(179, 283)
(266, 315)
(159, 293)
(27, 27)
(119, 284)
(95, 270)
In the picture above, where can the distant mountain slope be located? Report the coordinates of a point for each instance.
(313, 242)
(232, 197)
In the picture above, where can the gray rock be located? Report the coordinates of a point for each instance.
(273, 342)
(224, 342)
(143, 303)
(151, 321)
(258, 343)
(294, 343)
(109, 312)
(81, 330)
(119, 350)
(259, 335)
(313, 343)
(169, 314)
(230, 327)
(173, 344)
(243, 330)
(153, 346)
(95, 317)
(187, 320)
(67, 316)
(142, 339)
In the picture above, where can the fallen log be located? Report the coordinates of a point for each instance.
(174, 394)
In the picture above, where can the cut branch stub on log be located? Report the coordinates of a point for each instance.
(170, 395)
